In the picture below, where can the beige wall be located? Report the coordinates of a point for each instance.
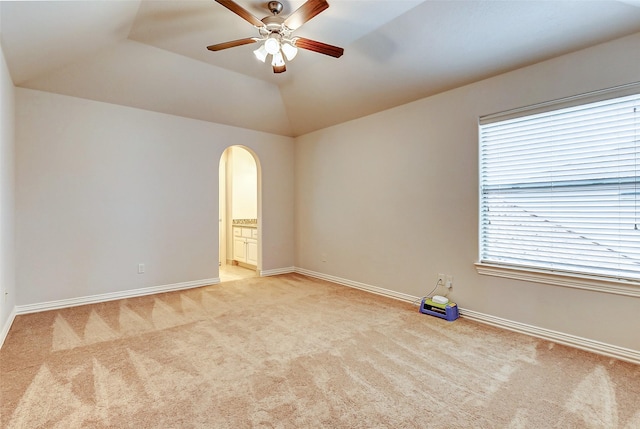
(7, 254)
(391, 200)
(244, 184)
(102, 188)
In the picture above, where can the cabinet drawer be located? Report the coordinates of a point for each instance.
(254, 233)
(246, 232)
(237, 232)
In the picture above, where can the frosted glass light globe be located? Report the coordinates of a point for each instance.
(261, 53)
(272, 46)
(277, 61)
(289, 50)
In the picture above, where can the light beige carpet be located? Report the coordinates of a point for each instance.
(295, 352)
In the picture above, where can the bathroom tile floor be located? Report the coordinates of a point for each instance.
(234, 272)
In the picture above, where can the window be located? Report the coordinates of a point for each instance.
(559, 188)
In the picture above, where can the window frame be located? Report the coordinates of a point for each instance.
(579, 280)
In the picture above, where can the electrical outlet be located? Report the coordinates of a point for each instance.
(140, 268)
(324, 257)
(442, 278)
(449, 282)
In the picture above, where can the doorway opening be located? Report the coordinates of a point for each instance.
(239, 214)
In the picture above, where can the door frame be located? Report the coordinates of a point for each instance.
(225, 233)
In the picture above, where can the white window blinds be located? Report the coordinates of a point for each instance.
(559, 190)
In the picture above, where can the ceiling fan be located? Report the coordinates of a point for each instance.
(276, 33)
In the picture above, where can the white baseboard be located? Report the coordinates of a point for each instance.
(593, 346)
(94, 299)
(277, 271)
(7, 326)
(586, 344)
(357, 285)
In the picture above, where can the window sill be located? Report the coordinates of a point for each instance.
(598, 284)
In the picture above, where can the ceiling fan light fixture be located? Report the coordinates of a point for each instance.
(289, 51)
(276, 33)
(272, 46)
(261, 53)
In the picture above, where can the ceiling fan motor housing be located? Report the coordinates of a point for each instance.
(273, 22)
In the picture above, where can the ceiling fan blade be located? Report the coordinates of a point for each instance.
(280, 69)
(323, 48)
(232, 44)
(305, 12)
(241, 12)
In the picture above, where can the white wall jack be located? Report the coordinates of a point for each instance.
(441, 279)
(449, 282)
(140, 268)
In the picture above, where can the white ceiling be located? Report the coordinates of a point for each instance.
(152, 54)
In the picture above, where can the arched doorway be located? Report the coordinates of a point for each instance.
(239, 217)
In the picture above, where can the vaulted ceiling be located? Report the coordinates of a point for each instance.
(152, 54)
